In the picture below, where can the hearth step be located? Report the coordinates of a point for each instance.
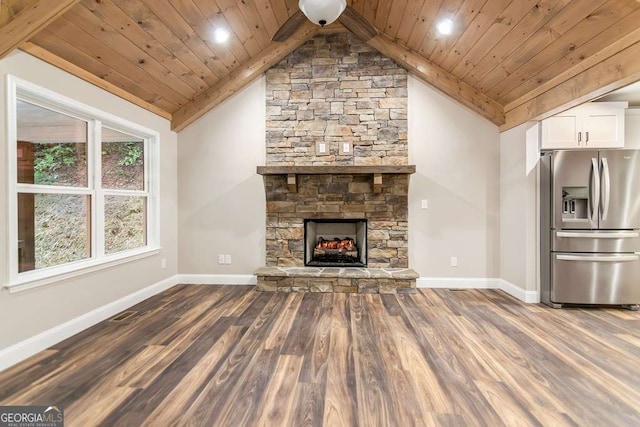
(334, 279)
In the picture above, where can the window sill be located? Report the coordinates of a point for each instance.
(37, 278)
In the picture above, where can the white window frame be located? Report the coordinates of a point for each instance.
(24, 90)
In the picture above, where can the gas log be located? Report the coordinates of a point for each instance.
(346, 244)
(336, 250)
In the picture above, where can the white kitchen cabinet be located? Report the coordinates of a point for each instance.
(562, 130)
(632, 128)
(592, 125)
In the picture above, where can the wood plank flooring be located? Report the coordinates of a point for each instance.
(231, 356)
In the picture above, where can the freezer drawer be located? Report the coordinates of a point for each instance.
(596, 241)
(595, 278)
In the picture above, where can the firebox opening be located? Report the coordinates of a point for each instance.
(335, 242)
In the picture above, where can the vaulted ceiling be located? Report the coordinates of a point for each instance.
(509, 60)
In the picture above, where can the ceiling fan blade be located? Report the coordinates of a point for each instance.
(289, 27)
(358, 24)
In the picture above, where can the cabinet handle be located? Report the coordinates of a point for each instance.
(613, 258)
(579, 136)
(587, 135)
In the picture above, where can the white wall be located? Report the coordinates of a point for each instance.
(518, 204)
(457, 153)
(221, 197)
(457, 157)
(27, 313)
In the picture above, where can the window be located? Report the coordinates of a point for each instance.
(84, 186)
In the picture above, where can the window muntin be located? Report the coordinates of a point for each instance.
(140, 194)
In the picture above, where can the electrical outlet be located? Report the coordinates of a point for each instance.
(227, 259)
(322, 148)
(454, 261)
(345, 148)
(163, 263)
(220, 259)
(425, 204)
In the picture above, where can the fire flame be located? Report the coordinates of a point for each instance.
(346, 244)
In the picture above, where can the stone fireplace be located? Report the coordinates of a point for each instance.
(342, 196)
(336, 149)
(298, 196)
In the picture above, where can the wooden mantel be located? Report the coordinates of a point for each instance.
(376, 171)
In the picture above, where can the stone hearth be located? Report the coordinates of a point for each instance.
(331, 279)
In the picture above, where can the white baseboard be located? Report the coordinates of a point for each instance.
(479, 283)
(457, 282)
(532, 297)
(27, 348)
(217, 279)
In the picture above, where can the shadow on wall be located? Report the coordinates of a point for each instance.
(229, 221)
(239, 211)
(456, 222)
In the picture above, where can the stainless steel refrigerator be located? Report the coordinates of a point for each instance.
(590, 227)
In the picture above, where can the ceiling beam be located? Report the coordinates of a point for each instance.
(335, 28)
(67, 66)
(240, 77)
(613, 73)
(440, 79)
(29, 21)
(6, 12)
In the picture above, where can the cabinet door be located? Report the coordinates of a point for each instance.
(632, 128)
(561, 131)
(603, 127)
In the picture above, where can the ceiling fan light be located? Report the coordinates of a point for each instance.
(322, 12)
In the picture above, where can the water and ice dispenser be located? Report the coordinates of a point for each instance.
(575, 203)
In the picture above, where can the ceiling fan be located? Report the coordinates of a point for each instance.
(324, 12)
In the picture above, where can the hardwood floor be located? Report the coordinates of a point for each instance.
(231, 356)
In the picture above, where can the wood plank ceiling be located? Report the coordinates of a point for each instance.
(509, 60)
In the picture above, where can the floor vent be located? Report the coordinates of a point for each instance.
(122, 316)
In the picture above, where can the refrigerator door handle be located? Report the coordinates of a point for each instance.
(601, 235)
(612, 258)
(595, 188)
(606, 190)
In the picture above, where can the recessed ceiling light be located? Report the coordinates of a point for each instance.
(445, 26)
(220, 35)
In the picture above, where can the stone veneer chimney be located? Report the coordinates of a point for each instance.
(333, 90)
(336, 89)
